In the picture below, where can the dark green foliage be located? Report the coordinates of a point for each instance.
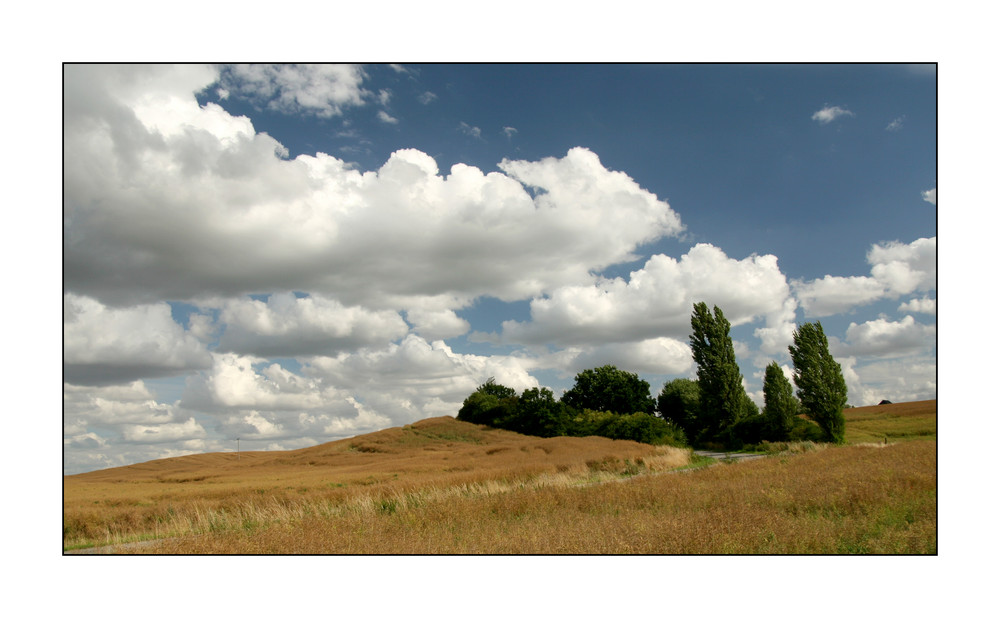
(640, 427)
(537, 413)
(821, 386)
(678, 403)
(609, 389)
(723, 401)
(749, 430)
(489, 403)
(805, 431)
(780, 405)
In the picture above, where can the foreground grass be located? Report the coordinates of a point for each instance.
(421, 463)
(442, 486)
(838, 500)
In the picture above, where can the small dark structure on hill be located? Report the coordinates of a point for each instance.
(883, 402)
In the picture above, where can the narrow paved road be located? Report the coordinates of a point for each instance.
(730, 456)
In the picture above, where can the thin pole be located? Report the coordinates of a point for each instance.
(237, 449)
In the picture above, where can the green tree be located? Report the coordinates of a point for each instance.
(821, 386)
(678, 402)
(722, 399)
(780, 405)
(538, 414)
(610, 389)
(490, 403)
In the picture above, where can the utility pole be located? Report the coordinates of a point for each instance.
(237, 449)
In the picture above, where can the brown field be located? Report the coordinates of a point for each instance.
(444, 486)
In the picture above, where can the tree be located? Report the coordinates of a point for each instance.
(488, 404)
(610, 389)
(780, 405)
(539, 414)
(678, 402)
(723, 401)
(821, 386)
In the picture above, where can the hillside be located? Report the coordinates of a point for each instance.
(430, 446)
(445, 486)
(916, 420)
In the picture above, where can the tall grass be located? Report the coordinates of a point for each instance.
(475, 491)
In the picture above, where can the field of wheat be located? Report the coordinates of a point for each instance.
(443, 486)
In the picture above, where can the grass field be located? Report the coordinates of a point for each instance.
(444, 486)
(899, 421)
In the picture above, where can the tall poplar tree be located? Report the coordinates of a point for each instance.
(722, 399)
(780, 405)
(821, 386)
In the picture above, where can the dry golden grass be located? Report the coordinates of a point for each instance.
(443, 486)
(837, 500)
(202, 493)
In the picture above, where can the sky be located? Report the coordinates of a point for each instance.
(295, 254)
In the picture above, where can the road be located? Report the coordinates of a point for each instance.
(730, 456)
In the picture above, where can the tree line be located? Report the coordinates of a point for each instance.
(712, 410)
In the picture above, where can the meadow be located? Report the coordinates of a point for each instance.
(444, 486)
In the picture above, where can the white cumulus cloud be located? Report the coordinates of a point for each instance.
(321, 89)
(285, 325)
(920, 305)
(930, 196)
(166, 199)
(882, 337)
(657, 300)
(830, 113)
(104, 345)
(897, 269)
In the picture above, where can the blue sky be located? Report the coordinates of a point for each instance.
(296, 254)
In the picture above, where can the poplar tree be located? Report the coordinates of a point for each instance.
(780, 405)
(821, 386)
(721, 396)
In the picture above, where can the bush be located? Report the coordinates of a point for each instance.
(805, 431)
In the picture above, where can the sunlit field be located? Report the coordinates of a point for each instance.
(444, 486)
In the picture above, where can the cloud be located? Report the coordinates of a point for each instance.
(830, 295)
(440, 324)
(117, 425)
(186, 202)
(657, 301)
(103, 345)
(287, 326)
(323, 90)
(911, 378)
(170, 432)
(427, 98)
(235, 383)
(905, 268)
(386, 118)
(920, 305)
(660, 356)
(930, 196)
(885, 338)
(830, 113)
(897, 269)
(471, 131)
(415, 379)
(896, 124)
(111, 406)
(509, 132)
